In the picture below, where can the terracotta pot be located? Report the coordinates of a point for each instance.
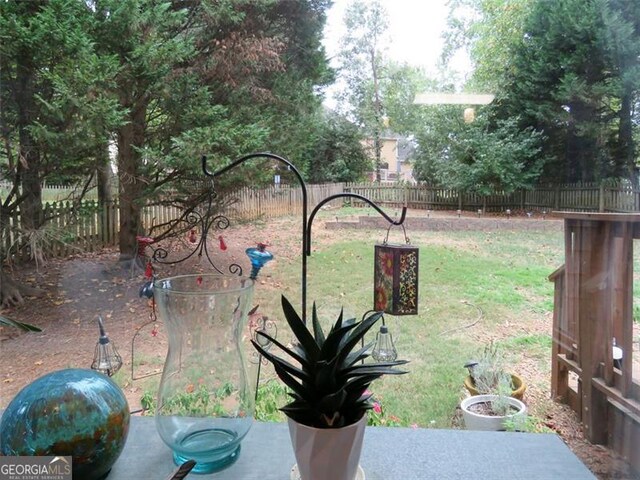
(327, 453)
(476, 421)
(518, 383)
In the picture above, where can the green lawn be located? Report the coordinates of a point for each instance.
(503, 275)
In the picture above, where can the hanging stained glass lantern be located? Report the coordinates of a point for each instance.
(395, 277)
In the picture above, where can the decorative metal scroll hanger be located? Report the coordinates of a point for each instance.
(307, 220)
(207, 220)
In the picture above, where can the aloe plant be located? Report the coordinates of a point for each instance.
(328, 385)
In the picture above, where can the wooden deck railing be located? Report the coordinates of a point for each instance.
(593, 303)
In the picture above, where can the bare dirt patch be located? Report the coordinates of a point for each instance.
(79, 288)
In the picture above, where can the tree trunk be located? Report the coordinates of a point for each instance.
(626, 148)
(104, 176)
(12, 293)
(31, 214)
(581, 158)
(105, 195)
(377, 106)
(377, 146)
(27, 165)
(130, 141)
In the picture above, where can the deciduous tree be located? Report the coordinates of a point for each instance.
(362, 67)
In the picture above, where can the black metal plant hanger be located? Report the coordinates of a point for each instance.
(307, 220)
(209, 220)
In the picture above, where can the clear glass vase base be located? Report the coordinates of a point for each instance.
(213, 450)
(295, 473)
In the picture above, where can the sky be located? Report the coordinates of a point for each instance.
(415, 28)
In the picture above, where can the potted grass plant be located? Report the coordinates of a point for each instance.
(492, 411)
(327, 376)
(486, 373)
(494, 392)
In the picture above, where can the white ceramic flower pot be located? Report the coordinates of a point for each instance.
(327, 453)
(475, 421)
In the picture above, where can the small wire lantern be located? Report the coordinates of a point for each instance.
(106, 358)
(395, 278)
(384, 350)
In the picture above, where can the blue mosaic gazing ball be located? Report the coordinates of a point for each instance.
(74, 412)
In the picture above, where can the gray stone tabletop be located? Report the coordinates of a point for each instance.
(388, 454)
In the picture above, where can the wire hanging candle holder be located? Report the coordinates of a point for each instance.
(106, 358)
(384, 350)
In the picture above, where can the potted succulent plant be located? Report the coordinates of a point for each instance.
(328, 413)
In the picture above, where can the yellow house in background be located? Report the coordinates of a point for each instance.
(395, 158)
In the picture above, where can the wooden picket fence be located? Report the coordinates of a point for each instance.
(89, 227)
(276, 201)
(584, 197)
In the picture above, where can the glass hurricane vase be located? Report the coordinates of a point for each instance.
(206, 398)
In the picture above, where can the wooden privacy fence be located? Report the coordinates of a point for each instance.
(606, 197)
(593, 327)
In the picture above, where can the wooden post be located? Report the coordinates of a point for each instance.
(559, 374)
(601, 198)
(599, 298)
(589, 258)
(624, 266)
